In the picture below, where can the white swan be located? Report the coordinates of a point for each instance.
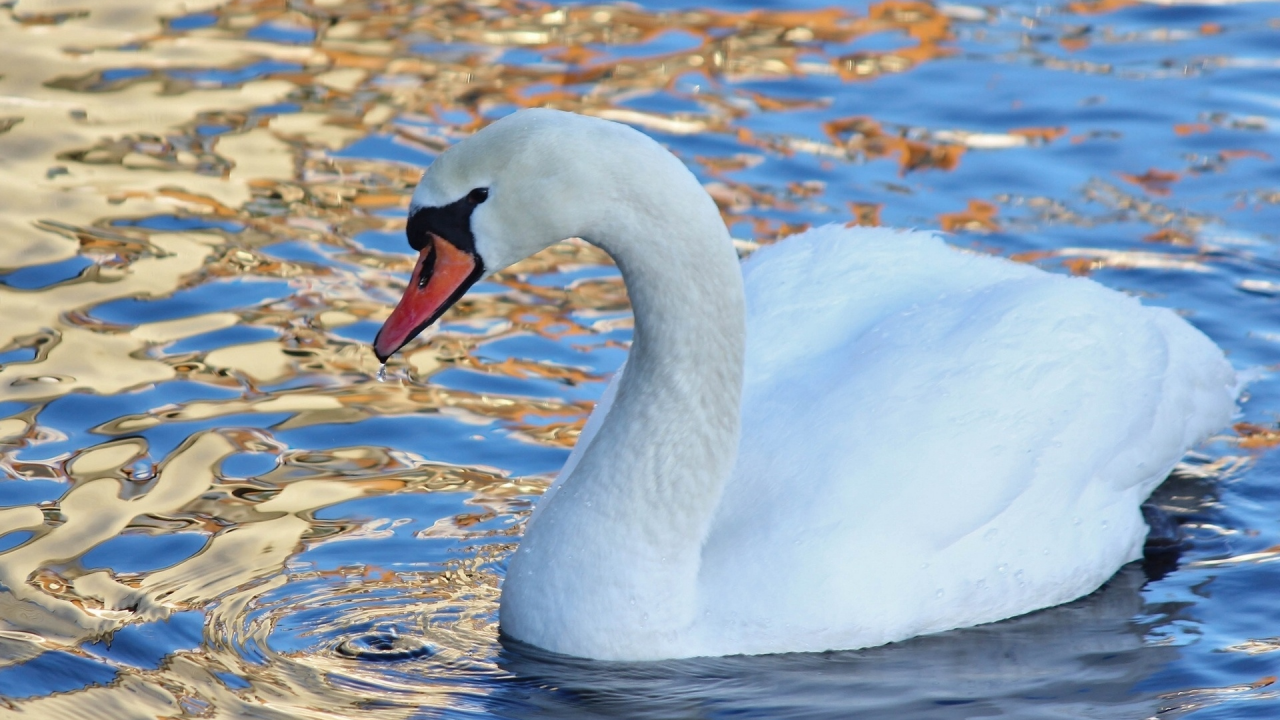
(856, 437)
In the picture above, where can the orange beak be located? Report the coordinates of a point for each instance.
(443, 273)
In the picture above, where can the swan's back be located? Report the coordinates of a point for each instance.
(933, 439)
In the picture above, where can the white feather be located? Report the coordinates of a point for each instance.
(856, 437)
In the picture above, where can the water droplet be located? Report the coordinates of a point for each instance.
(1002, 568)
(940, 593)
(1076, 521)
(1020, 577)
(382, 373)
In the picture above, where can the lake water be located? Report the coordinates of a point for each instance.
(210, 507)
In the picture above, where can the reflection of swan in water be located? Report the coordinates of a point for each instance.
(1083, 659)
(930, 439)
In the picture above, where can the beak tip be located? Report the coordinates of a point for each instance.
(380, 351)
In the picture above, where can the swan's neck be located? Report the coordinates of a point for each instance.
(670, 439)
(612, 558)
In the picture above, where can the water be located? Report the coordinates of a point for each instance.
(209, 505)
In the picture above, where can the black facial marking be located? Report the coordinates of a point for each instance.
(428, 265)
(451, 222)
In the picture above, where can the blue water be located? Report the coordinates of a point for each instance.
(197, 524)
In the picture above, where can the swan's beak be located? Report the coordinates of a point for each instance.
(442, 275)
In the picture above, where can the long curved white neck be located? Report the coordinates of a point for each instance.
(611, 560)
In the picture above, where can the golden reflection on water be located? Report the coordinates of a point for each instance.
(105, 117)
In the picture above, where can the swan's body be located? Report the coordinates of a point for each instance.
(894, 438)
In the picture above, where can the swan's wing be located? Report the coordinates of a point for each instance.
(913, 398)
(904, 365)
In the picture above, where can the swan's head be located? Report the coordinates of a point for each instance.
(522, 184)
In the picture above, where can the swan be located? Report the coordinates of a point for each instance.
(855, 437)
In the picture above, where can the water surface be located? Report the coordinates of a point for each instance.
(207, 498)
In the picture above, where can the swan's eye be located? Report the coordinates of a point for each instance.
(477, 196)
